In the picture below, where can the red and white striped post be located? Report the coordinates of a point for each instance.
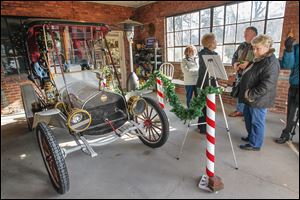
(160, 92)
(210, 134)
(212, 183)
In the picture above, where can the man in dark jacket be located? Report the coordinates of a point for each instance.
(290, 60)
(258, 90)
(241, 58)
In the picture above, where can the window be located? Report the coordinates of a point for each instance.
(13, 51)
(228, 23)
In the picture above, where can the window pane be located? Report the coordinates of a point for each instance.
(195, 20)
(4, 30)
(277, 8)
(218, 16)
(258, 10)
(14, 24)
(182, 52)
(228, 53)
(204, 31)
(170, 54)
(274, 29)
(231, 14)
(260, 26)
(229, 34)
(218, 31)
(219, 50)
(240, 32)
(178, 38)
(170, 38)
(22, 61)
(9, 65)
(195, 37)
(199, 48)
(244, 11)
(277, 49)
(6, 48)
(178, 23)
(186, 22)
(186, 38)
(178, 54)
(170, 24)
(205, 18)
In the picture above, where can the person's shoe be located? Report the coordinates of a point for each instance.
(281, 140)
(202, 130)
(249, 147)
(246, 139)
(236, 114)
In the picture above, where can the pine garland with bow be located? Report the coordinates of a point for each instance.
(196, 105)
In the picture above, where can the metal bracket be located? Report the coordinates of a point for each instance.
(203, 184)
(88, 148)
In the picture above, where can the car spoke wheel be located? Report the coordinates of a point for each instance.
(156, 131)
(53, 158)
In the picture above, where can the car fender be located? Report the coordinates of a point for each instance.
(51, 117)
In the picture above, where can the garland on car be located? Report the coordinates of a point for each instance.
(196, 105)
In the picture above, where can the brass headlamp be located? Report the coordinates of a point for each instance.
(79, 120)
(136, 105)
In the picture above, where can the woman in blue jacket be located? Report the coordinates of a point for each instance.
(290, 60)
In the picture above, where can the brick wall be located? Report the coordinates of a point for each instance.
(70, 10)
(11, 101)
(156, 13)
(112, 15)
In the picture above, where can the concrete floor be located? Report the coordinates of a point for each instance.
(127, 168)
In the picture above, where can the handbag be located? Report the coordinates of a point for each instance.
(235, 89)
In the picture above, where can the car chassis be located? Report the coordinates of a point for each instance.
(81, 108)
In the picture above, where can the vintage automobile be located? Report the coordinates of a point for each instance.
(81, 108)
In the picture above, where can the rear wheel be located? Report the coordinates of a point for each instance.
(53, 158)
(156, 125)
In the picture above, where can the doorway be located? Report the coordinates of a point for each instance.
(116, 45)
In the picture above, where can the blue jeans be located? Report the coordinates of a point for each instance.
(255, 124)
(190, 89)
(240, 107)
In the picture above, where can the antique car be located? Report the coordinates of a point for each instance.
(81, 108)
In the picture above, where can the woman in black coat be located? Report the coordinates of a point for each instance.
(257, 90)
(209, 43)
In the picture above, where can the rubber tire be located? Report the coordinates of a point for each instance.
(165, 124)
(57, 154)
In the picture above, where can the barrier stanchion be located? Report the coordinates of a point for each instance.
(160, 93)
(209, 181)
(210, 134)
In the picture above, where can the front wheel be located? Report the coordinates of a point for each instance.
(53, 158)
(156, 124)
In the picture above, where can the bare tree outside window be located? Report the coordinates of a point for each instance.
(258, 10)
(170, 26)
(231, 14)
(205, 18)
(218, 18)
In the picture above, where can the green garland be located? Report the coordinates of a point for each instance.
(196, 104)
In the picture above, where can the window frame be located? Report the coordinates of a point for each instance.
(265, 21)
(15, 56)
